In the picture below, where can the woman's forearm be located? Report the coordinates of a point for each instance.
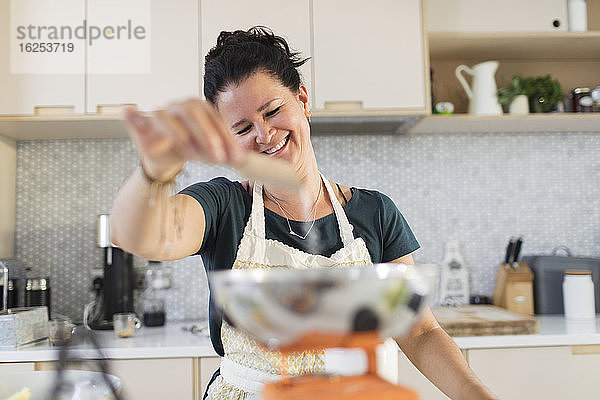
(436, 355)
(142, 219)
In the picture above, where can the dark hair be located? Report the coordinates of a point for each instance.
(239, 54)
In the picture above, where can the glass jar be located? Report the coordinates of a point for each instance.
(582, 100)
(154, 311)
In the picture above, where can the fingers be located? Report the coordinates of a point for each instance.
(144, 133)
(203, 132)
(193, 130)
(204, 136)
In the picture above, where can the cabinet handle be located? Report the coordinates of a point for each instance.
(581, 349)
(113, 108)
(343, 105)
(53, 110)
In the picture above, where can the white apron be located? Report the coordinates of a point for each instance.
(246, 365)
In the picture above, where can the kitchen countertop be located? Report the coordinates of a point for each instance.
(171, 341)
(555, 330)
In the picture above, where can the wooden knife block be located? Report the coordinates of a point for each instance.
(514, 288)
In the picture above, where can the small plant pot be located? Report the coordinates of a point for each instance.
(536, 104)
(519, 105)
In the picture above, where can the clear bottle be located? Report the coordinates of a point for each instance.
(454, 277)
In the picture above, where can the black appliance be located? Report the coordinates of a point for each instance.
(115, 289)
(37, 292)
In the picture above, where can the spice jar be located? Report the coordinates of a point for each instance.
(582, 99)
(578, 295)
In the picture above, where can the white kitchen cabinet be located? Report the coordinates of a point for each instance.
(8, 174)
(208, 366)
(142, 379)
(21, 93)
(550, 373)
(7, 368)
(495, 16)
(370, 52)
(289, 19)
(173, 73)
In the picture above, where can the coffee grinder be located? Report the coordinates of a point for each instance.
(114, 291)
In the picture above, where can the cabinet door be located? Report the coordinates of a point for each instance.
(369, 51)
(208, 366)
(8, 175)
(21, 92)
(538, 373)
(163, 378)
(289, 19)
(495, 16)
(173, 73)
(6, 368)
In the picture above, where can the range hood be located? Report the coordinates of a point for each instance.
(363, 124)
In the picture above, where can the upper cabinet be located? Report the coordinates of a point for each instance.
(369, 54)
(495, 16)
(167, 71)
(111, 70)
(31, 84)
(290, 20)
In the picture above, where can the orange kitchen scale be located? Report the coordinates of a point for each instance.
(335, 387)
(299, 310)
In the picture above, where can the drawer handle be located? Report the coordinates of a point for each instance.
(582, 349)
(113, 108)
(343, 105)
(53, 110)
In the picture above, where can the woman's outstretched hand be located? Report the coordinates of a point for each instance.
(192, 130)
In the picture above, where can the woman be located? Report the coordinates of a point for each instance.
(257, 102)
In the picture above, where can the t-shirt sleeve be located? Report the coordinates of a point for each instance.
(398, 238)
(214, 197)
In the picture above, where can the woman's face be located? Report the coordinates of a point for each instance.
(267, 117)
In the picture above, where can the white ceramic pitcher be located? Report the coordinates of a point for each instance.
(483, 97)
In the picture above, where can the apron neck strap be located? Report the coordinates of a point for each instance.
(257, 218)
(340, 215)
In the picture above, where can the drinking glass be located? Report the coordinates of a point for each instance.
(125, 324)
(60, 331)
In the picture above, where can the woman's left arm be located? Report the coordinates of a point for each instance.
(436, 355)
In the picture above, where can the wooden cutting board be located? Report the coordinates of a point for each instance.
(482, 320)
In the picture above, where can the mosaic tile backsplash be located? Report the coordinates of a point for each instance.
(477, 188)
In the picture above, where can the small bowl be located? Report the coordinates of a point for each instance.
(81, 385)
(281, 307)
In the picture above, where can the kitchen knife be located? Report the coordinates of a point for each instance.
(509, 251)
(516, 252)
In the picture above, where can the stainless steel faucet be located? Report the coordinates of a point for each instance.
(4, 286)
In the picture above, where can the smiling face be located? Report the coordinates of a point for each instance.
(267, 117)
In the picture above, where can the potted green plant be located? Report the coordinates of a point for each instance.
(543, 92)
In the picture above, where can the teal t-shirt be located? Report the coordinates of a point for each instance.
(227, 207)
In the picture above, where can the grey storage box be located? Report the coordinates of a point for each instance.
(548, 271)
(21, 327)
